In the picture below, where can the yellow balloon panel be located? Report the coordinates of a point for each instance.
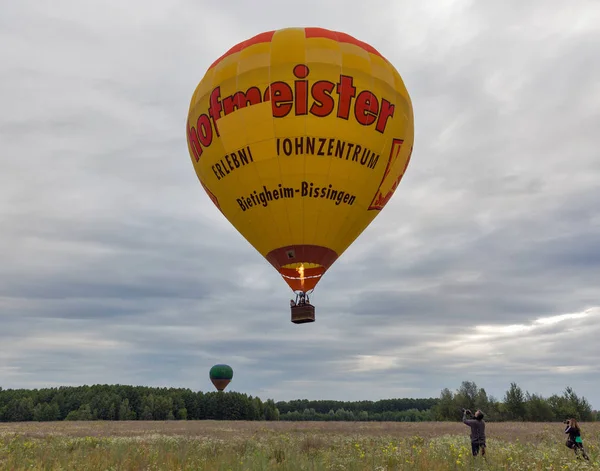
(300, 137)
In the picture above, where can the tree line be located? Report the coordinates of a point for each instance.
(516, 405)
(120, 402)
(386, 410)
(117, 402)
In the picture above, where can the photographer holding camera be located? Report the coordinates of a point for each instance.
(574, 441)
(477, 431)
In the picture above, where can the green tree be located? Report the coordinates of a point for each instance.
(466, 395)
(537, 409)
(482, 402)
(580, 406)
(271, 411)
(514, 403)
(125, 411)
(83, 413)
(446, 408)
(43, 412)
(20, 410)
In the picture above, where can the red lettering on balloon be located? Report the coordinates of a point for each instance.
(319, 99)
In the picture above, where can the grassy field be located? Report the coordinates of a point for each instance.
(293, 446)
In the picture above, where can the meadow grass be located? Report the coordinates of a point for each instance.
(293, 446)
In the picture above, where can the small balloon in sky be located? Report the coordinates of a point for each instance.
(220, 376)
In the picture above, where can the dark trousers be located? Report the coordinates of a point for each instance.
(576, 447)
(476, 446)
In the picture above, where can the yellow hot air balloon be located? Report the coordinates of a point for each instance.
(300, 137)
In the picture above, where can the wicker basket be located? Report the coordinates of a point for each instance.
(303, 313)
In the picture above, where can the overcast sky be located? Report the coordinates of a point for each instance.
(115, 267)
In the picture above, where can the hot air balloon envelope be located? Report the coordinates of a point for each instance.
(221, 376)
(300, 137)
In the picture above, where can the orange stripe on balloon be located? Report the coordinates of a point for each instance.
(259, 38)
(341, 38)
(267, 37)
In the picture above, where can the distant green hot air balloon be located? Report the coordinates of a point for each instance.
(221, 375)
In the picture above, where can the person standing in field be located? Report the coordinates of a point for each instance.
(574, 441)
(477, 431)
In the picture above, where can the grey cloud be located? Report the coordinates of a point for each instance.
(117, 268)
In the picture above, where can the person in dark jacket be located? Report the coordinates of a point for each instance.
(477, 431)
(574, 441)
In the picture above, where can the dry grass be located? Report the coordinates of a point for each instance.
(216, 445)
(505, 431)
